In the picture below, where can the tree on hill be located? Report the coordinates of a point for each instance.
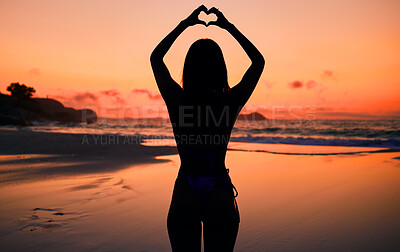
(20, 91)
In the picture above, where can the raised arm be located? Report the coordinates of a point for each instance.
(167, 86)
(243, 90)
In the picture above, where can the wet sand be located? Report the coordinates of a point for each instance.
(57, 194)
(28, 156)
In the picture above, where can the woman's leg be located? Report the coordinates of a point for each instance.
(184, 224)
(221, 221)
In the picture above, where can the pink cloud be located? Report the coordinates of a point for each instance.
(296, 84)
(111, 92)
(311, 84)
(119, 100)
(116, 96)
(150, 94)
(86, 96)
(327, 74)
(267, 84)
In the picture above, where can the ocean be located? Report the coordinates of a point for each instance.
(356, 133)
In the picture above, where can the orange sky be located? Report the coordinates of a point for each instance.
(341, 58)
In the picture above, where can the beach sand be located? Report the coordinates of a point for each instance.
(59, 192)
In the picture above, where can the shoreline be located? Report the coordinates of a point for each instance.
(27, 156)
(59, 154)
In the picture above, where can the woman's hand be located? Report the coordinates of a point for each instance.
(193, 18)
(221, 21)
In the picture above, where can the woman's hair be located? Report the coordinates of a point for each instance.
(204, 71)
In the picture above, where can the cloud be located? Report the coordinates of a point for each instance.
(111, 92)
(85, 97)
(267, 84)
(311, 84)
(34, 71)
(150, 94)
(328, 74)
(115, 94)
(296, 84)
(119, 100)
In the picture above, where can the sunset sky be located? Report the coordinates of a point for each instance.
(341, 59)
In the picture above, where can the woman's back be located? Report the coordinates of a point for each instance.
(202, 130)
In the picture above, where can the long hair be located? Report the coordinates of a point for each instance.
(204, 70)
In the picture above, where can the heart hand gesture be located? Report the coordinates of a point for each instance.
(221, 21)
(193, 18)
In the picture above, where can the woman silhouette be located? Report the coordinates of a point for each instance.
(202, 114)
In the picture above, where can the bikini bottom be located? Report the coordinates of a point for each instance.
(204, 185)
(207, 191)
